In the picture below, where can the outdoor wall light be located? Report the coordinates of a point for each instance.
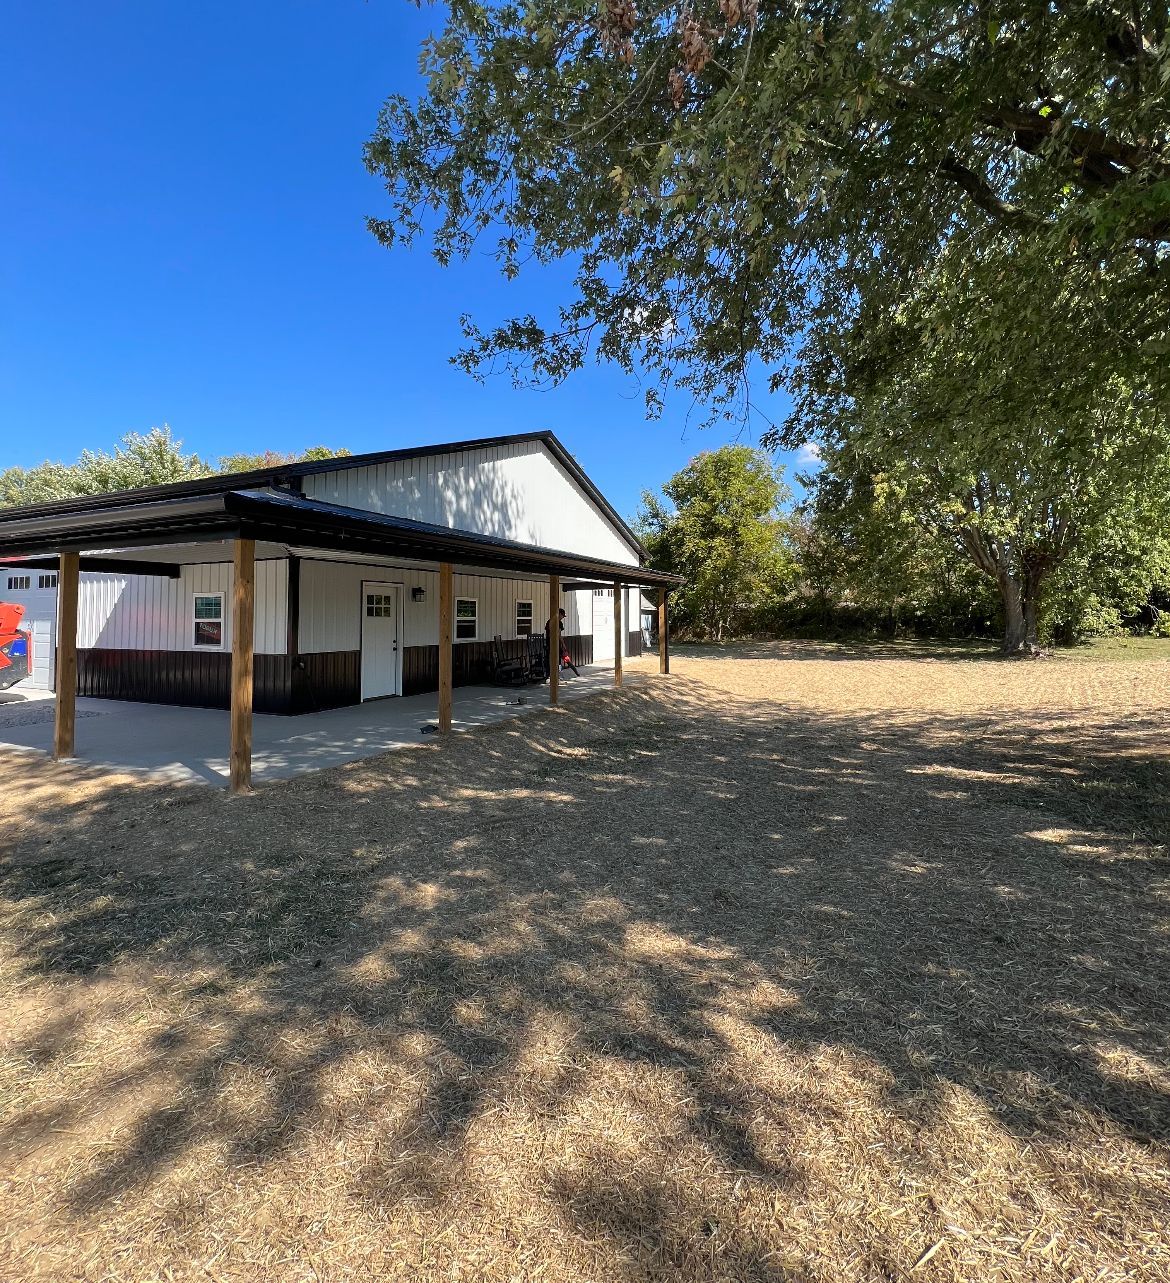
(418, 594)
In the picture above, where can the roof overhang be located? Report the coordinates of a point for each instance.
(288, 517)
(98, 565)
(292, 475)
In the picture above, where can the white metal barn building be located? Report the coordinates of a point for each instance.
(316, 585)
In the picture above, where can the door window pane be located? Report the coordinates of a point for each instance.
(379, 606)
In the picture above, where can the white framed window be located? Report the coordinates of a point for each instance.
(17, 583)
(207, 621)
(603, 592)
(466, 619)
(46, 581)
(523, 618)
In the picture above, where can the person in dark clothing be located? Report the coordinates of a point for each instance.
(566, 658)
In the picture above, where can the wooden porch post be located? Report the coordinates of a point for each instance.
(663, 638)
(68, 573)
(618, 639)
(554, 639)
(243, 631)
(446, 609)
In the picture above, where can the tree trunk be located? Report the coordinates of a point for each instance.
(1021, 610)
(1033, 594)
(1015, 635)
(1031, 623)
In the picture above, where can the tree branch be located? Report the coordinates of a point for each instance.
(982, 194)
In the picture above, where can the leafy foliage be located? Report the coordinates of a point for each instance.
(744, 184)
(880, 553)
(962, 423)
(718, 523)
(867, 563)
(274, 458)
(138, 460)
(944, 227)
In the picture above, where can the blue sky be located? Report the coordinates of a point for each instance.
(182, 241)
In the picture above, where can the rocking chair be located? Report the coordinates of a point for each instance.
(506, 671)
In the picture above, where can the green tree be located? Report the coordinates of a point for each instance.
(718, 523)
(865, 555)
(1035, 481)
(274, 458)
(741, 184)
(139, 459)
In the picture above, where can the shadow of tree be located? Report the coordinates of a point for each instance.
(656, 987)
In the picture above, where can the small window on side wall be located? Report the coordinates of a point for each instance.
(466, 619)
(46, 581)
(208, 621)
(523, 618)
(17, 583)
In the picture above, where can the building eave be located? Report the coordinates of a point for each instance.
(286, 517)
(291, 475)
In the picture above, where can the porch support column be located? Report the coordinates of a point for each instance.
(618, 639)
(66, 715)
(663, 634)
(446, 610)
(554, 639)
(243, 630)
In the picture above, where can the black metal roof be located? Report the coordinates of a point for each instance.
(290, 474)
(286, 517)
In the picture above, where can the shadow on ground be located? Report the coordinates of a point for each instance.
(660, 987)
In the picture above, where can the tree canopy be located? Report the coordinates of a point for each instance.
(718, 524)
(140, 459)
(741, 184)
(944, 228)
(274, 458)
(965, 425)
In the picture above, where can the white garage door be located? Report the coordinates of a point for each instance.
(36, 591)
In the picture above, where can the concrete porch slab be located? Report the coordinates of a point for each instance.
(191, 744)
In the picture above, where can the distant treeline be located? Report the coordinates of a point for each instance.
(859, 558)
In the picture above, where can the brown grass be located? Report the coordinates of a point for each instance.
(810, 964)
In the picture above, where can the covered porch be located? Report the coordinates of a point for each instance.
(191, 745)
(230, 526)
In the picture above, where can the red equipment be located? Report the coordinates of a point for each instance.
(15, 646)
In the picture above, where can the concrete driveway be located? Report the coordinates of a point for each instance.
(191, 744)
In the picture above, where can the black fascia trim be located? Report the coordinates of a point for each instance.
(101, 565)
(189, 519)
(283, 518)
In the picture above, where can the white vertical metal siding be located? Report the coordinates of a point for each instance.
(149, 612)
(516, 490)
(331, 604)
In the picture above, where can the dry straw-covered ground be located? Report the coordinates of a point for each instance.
(808, 964)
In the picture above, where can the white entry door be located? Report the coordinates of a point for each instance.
(603, 603)
(381, 639)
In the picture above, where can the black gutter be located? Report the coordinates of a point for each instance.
(192, 517)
